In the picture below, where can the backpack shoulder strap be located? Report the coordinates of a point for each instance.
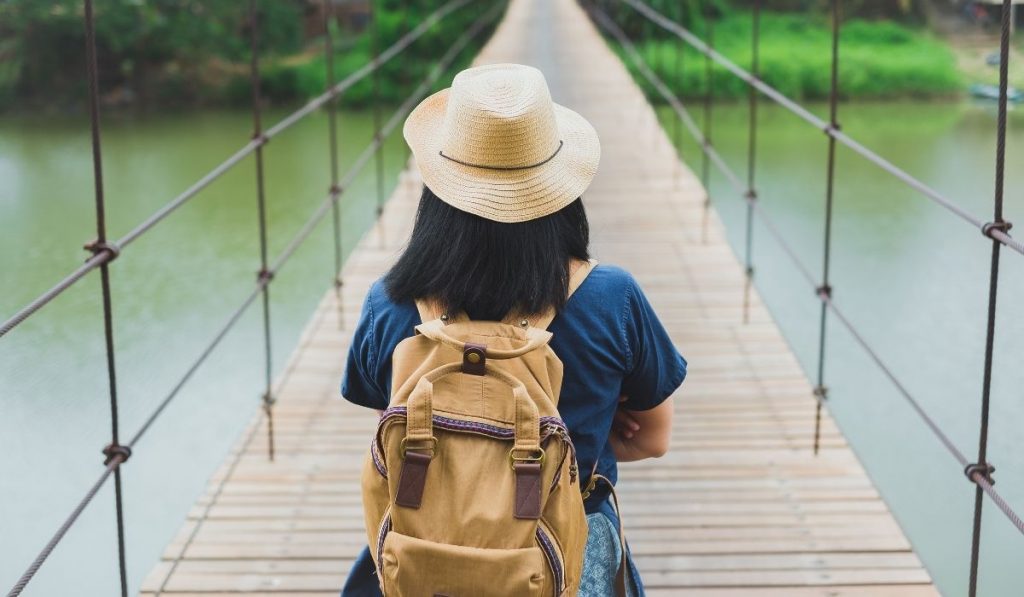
(428, 310)
(575, 281)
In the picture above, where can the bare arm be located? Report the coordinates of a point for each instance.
(640, 434)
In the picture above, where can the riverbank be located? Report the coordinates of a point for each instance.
(879, 60)
(159, 65)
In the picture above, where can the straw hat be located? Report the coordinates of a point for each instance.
(495, 145)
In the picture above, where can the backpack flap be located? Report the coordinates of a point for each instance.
(419, 444)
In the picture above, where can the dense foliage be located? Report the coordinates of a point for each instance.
(189, 52)
(306, 78)
(186, 52)
(878, 59)
(157, 48)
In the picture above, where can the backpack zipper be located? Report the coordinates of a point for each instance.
(383, 530)
(550, 426)
(550, 551)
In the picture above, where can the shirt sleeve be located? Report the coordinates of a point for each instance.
(360, 384)
(654, 368)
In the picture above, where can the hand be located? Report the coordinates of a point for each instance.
(636, 435)
(624, 424)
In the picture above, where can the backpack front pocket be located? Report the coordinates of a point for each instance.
(413, 567)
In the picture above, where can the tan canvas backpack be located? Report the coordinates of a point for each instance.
(471, 487)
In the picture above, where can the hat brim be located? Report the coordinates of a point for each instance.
(504, 195)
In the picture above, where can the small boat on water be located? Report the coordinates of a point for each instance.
(991, 92)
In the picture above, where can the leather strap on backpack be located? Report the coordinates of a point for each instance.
(620, 575)
(419, 444)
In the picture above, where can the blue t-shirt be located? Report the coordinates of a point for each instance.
(609, 340)
(607, 336)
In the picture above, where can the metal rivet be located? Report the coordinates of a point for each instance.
(473, 357)
(444, 317)
(524, 323)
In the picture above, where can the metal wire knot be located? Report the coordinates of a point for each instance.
(116, 451)
(96, 247)
(981, 469)
(988, 227)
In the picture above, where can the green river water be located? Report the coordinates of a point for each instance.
(910, 275)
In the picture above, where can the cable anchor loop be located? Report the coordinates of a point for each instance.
(96, 247)
(980, 469)
(264, 276)
(989, 227)
(833, 127)
(118, 452)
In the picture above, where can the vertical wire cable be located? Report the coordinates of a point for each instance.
(264, 275)
(658, 64)
(335, 190)
(403, 28)
(379, 152)
(982, 468)
(677, 122)
(751, 195)
(115, 451)
(825, 290)
(709, 76)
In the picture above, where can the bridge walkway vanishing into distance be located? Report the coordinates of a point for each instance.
(760, 495)
(739, 506)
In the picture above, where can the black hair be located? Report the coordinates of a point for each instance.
(488, 269)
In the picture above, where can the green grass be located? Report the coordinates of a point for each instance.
(878, 59)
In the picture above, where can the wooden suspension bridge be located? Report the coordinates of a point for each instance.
(740, 506)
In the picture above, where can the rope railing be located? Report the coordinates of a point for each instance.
(979, 472)
(803, 113)
(116, 457)
(234, 159)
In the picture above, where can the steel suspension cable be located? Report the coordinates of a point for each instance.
(825, 289)
(804, 270)
(101, 245)
(261, 213)
(332, 142)
(379, 155)
(189, 193)
(792, 106)
(709, 96)
(114, 453)
(751, 194)
(386, 130)
(982, 468)
(120, 455)
(677, 133)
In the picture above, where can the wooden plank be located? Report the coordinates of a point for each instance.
(739, 507)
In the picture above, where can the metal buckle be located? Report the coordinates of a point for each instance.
(537, 456)
(590, 487)
(404, 446)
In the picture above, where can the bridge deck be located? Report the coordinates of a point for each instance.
(739, 506)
